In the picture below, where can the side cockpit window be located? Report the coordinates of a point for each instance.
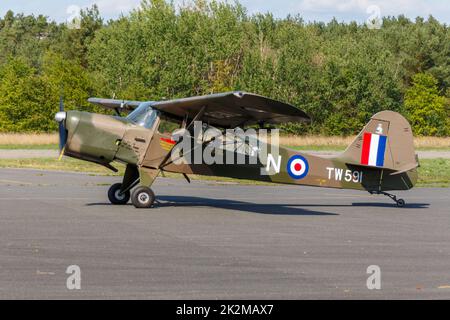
(168, 125)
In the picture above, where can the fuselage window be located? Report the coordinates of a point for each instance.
(144, 116)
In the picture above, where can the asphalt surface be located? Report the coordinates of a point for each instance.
(218, 241)
(24, 154)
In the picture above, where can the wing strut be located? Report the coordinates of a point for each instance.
(169, 154)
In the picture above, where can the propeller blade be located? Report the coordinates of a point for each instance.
(62, 129)
(61, 153)
(62, 136)
(61, 104)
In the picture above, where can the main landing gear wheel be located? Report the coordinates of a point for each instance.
(116, 197)
(401, 203)
(143, 197)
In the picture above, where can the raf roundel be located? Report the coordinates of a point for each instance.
(297, 167)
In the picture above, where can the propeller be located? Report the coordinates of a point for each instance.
(60, 118)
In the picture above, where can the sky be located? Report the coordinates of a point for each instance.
(310, 10)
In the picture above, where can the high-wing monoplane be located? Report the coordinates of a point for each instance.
(153, 137)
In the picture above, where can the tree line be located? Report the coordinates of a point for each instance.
(339, 73)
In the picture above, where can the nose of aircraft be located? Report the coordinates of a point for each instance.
(90, 136)
(60, 116)
(67, 123)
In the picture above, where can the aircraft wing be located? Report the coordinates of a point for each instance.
(121, 105)
(233, 109)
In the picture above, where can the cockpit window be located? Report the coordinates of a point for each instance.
(144, 115)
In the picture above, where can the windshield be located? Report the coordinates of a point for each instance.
(144, 115)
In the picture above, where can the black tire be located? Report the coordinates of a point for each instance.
(115, 198)
(143, 197)
(401, 203)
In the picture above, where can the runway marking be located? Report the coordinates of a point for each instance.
(4, 199)
(16, 182)
(44, 273)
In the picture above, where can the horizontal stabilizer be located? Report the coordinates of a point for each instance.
(406, 168)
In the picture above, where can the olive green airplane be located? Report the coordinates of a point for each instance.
(380, 159)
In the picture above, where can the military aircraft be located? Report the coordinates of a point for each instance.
(380, 159)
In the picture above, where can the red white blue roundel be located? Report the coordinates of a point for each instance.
(297, 167)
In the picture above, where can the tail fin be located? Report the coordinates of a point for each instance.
(386, 142)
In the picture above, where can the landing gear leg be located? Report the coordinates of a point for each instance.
(119, 193)
(400, 202)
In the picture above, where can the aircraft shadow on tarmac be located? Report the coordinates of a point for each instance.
(274, 209)
(391, 205)
(262, 208)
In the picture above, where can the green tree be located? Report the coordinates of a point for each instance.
(71, 80)
(428, 112)
(24, 99)
(339, 73)
(74, 42)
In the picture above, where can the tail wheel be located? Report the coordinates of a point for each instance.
(116, 197)
(143, 197)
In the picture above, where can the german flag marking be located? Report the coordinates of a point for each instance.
(167, 144)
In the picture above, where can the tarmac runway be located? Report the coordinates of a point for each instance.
(210, 240)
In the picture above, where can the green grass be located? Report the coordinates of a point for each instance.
(66, 164)
(432, 172)
(433, 149)
(29, 146)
